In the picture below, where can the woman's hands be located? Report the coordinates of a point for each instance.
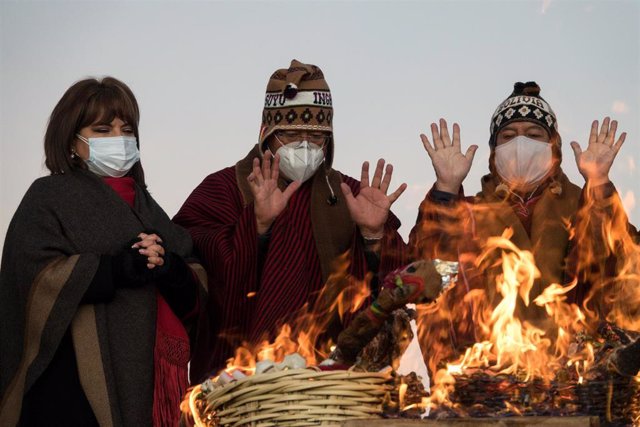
(268, 200)
(370, 208)
(146, 261)
(595, 162)
(150, 245)
(450, 165)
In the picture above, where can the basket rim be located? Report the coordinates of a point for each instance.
(294, 395)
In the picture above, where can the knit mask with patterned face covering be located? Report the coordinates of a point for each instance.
(524, 104)
(298, 99)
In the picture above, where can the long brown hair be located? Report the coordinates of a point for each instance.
(83, 104)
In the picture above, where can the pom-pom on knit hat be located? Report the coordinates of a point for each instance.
(524, 103)
(297, 98)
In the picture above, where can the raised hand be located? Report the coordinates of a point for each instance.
(595, 162)
(370, 208)
(450, 165)
(268, 200)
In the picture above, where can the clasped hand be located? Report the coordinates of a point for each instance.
(150, 245)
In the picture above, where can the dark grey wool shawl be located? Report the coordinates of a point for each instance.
(51, 253)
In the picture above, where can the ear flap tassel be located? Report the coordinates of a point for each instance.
(331, 200)
(555, 187)
(502, 190)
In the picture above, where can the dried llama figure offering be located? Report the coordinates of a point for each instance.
(378, 336)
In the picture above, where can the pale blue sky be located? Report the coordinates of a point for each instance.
(199, 71)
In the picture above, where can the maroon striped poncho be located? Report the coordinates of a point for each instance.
(245, 304)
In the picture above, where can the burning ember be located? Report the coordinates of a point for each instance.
(594, 389)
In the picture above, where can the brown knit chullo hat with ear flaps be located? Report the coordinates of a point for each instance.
(524, 103)
(297, 98)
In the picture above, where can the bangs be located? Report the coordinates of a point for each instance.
(108, 103)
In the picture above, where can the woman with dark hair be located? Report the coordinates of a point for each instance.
(96, 291)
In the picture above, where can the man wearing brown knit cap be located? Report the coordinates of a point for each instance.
(559, 223)
(269, 229)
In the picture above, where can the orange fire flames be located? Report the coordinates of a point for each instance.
(539, 348)
(503, 330)
(342, 296)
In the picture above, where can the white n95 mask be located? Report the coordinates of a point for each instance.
(299, 161)
(111, 156)
(523, 161)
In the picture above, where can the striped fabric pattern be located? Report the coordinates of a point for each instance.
(241, 307)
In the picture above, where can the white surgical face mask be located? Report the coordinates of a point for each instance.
(300, 160)
(111, 156)
(523, 161)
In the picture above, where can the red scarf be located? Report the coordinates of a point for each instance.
(171, 349)
(524, 211)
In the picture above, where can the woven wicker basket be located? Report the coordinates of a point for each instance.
(297, 397)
